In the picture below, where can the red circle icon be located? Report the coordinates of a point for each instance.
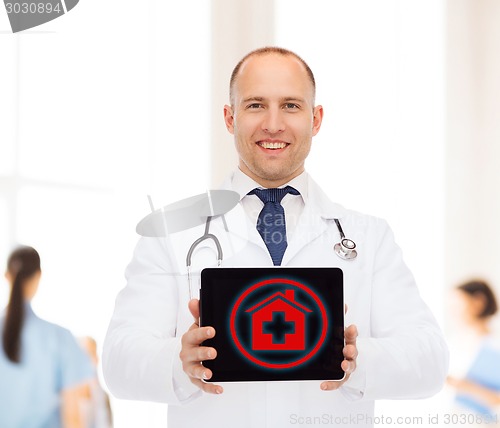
(300, 359)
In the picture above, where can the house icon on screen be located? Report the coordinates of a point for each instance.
(279, 323)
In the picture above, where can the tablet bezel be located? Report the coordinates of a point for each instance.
(326, 282)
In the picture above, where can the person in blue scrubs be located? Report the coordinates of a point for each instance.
(42, 368)
(478, 387)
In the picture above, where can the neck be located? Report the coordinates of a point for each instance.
(481, 327)
(270, 183)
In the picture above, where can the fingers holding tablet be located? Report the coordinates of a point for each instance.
(194, 308)
(192, 354)
(350, 349)
(350, 352)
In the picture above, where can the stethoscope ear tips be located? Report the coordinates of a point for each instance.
(345, 249)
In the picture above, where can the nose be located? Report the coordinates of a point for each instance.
(273, 122)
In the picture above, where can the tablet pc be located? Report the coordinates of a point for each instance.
(274, 324)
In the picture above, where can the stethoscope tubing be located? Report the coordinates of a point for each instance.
(345, 249)
(202, 238)
(189, 256)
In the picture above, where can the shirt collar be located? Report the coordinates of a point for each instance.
(243, 184)
(28, 310)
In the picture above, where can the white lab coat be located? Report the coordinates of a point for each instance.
(402, 353)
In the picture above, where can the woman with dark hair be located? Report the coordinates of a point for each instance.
(42, 367)
(480, 305)
(478, 389)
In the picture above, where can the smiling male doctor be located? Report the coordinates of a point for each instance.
(394, 349)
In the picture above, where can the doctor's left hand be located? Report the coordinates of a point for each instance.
(349, 363)
(192, 354)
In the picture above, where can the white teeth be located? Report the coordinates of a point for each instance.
(269, 145)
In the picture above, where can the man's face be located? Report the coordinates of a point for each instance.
(272, 118)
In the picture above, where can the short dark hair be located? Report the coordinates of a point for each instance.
(481, 288)
(265, 51)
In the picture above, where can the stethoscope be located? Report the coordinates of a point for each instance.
(345, 249)
(190, 212)
(204, 237)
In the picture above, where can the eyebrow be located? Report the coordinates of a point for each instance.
(249, 99)
(284, 99)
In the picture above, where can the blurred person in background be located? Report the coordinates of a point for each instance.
(475, 364)
(42, 367)
(96, 406)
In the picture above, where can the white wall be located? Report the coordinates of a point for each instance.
(238, 28)
(473, 141)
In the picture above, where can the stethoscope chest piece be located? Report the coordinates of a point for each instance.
(345, 249)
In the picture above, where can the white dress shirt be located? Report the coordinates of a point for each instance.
(292, 204)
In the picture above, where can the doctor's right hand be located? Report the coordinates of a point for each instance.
(192, 353)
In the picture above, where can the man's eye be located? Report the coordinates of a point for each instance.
(254, 106)
(291, 106)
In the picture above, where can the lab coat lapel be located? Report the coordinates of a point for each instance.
(315, 219)
(310, 226)
(239, 225)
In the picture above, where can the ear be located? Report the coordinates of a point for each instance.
(479, 302)
(229, 118)
(317, 119)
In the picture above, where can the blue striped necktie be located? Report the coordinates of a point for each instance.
(271, 222)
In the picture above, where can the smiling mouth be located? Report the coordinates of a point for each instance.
(272, 145)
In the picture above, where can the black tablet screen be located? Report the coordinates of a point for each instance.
(274, 323)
